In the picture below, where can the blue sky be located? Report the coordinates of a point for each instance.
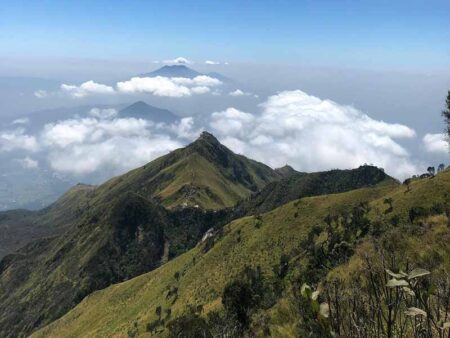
(370, 34)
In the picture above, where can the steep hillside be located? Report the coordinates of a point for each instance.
(204, 174)
(296, 185)
(18, 227)
(199, 276)
(119, 230)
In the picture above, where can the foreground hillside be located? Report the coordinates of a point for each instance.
(196, 279)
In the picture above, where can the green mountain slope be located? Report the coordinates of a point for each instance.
(204, 174)
(199, 276)
(19, 227)
(119, 230)
(298, 185)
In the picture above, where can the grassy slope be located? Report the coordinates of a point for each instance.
(205, 173)
(299, 185)
(117, 309)
(117, 232)
(111, 312)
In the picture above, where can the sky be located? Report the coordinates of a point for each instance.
(381, 34)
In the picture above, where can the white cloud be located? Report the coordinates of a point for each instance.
(90, 145)
(231, 122)
(87, 88)
(22, 120)
(171, 87)
(28, 163)
(104, 113)
(210, 62)
(158, 86)
(292, 127)
(41, 94)
(436, 143)
(118, 153)
(200, 80)
(17, 140)
(79, 131)
(200, 90)
(313, 134)
(239, 92)
(185, 129)
(178, 61)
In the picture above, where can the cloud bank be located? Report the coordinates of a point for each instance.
(436, 143)
(17, 139)
(157, 86)
(313, 134)
(171, 87)
(178, 61)
(86, 89)
(292, 127)
(88, 145)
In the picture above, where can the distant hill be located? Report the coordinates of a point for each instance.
(286, 171)
(173, 71)
(297, 185)
(220, 77)
(142, 110)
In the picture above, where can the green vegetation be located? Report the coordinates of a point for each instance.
(298, 185)
(193, 261)
(267, 266)
(119, 230)
(204, 174)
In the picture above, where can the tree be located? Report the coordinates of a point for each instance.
(441, 167)
(446, 115)
(407, 182)
(158, 311)
(431, 171)
(237, 299)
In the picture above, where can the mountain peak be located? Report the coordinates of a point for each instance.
(286, 171)
(142, 110)
(207, 137)
(174, 71)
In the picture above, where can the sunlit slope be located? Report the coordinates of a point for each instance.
(123, 307)
(204, 174)
(111, 312)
